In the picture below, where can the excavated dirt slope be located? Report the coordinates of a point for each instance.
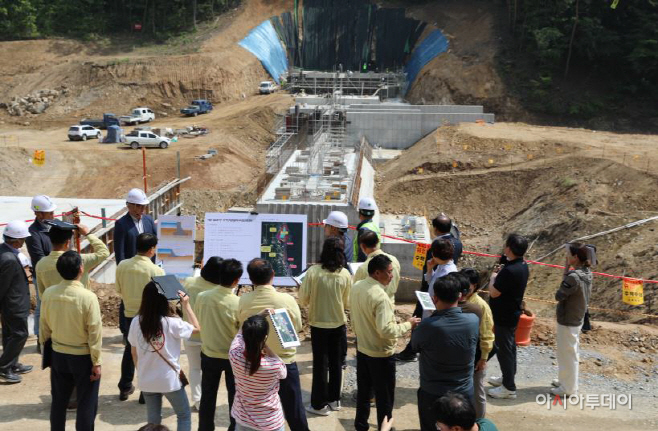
(98, 83)
(551, 184)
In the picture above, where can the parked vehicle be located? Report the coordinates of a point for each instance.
(137, 139)
(200, 106)
(82, 133)
(108, 120)
(267, 87)
(139, 115)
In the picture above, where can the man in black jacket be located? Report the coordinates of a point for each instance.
(14, 302)
(128, 227)
(38, 243)
(126, 231)
(442, 227)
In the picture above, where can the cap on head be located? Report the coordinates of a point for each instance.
(367, 206)
(137, 196)
(337, 219)
(16, 229)
(43, 203)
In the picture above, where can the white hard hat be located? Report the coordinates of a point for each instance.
(367, 204)
(337, 219)
(16, 229)
(43, 203)
(137, 196)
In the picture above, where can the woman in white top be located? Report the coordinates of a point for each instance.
(155, 335)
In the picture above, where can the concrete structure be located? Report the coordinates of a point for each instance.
(293, 192)
(397, 125)
(413, 228)
(323, 157)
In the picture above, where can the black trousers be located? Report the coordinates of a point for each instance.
(14, 336)
(378, 374)
(327, 346)
(127, 365)
(211, 374)
(426, 412)
(122, 320)
(506, 346)
(290, 392)
(66, 373)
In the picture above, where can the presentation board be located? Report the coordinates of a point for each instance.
(175, 248)
(279, 238)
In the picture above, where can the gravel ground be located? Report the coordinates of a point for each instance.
(537, 366)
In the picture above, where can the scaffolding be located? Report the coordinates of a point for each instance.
(387, 85)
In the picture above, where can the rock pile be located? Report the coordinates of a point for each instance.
(34, 103)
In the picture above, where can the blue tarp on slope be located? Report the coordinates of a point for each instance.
(264, 43)
(434, 44)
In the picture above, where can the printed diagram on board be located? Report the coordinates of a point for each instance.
(175, 251)
(175, 229)
(281, 245)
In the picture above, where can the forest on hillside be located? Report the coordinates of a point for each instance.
(24, 19)
(554, 52)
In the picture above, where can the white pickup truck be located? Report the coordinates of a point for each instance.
(139, 115)
(137, 139)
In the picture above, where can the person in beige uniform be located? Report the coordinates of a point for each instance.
(71, 319)
(217, 311)
(47, 274)
(326, 292)
(262, 297)
(369, 243)
(208, 279)
(131, 277)
(373, 322)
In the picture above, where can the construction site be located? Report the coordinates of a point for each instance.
(422, 122)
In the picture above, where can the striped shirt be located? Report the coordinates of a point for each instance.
(257, 404)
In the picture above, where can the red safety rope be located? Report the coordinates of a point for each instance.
(533, 262)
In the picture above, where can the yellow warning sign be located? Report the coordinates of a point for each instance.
(420, 255)
(632, 291)
(272, 254)
(265, 248)
(39, 157)
(272, 229)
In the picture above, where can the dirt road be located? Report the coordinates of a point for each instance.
(239, 131)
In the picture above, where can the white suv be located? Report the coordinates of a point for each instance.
(267, 87)
(82, 133)
(138, 138)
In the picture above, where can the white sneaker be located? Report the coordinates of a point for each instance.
(555, 383)
(324, 411)
(560, 392)
(335, 406)
(496, 381)
(501, 392)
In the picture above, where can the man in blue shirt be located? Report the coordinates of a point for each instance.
(446, 341)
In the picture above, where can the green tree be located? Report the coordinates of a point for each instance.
(17, 19)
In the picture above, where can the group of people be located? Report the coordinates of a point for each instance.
(230, 335)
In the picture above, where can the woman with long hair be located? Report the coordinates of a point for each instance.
(155, 336)
(326, 291)
(257, 371)
(573, 299)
